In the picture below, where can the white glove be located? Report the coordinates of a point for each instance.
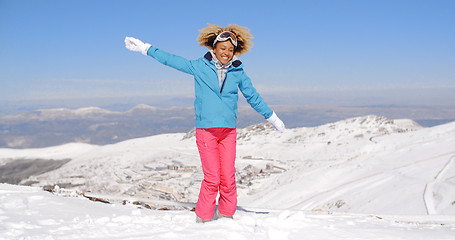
(136, 45)
(276, 122)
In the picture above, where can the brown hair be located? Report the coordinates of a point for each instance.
(208, 35)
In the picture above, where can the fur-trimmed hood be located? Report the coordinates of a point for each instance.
(208, 35)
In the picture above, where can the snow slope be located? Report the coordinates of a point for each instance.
(361, 178)
(30, 213)
(361, 165)
(366, 168)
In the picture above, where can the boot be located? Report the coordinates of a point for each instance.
(219, 215)
(200, 220)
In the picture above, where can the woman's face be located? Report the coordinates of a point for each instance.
(224, 51)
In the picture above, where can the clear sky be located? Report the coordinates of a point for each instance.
(75, 49)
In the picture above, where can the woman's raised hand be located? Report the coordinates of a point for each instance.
(136, 45)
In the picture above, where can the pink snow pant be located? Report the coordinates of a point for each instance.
(217, 151)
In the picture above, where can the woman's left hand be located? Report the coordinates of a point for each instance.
(276, 122)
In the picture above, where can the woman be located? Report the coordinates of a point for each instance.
(217, 77)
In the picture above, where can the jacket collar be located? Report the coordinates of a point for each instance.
(235, 63)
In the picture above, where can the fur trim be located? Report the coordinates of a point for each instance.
(208, 35)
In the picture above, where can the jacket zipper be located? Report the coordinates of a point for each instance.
(224, 80)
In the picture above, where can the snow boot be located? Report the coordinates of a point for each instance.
(200, 220)
(219, 215)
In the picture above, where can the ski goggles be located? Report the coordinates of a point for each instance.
(224, 36)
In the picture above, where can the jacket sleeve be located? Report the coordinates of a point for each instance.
(171, 60)
(253, 97)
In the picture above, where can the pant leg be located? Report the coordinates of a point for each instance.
(207, 145)
(227, 204)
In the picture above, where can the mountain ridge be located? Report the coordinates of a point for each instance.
(358, 165)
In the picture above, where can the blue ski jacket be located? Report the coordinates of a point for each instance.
(215, 106)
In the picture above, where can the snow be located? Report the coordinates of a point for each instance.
(143, 107)
(361, 178)
(58, 152)
(30, 213)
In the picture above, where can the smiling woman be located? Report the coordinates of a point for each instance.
(217, 78)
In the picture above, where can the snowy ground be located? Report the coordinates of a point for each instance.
(30, 213)
(361, 178)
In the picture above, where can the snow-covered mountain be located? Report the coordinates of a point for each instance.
(361, 165)
(359, 171)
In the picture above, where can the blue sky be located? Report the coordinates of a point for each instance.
(75, 49)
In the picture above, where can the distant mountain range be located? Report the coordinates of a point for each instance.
(50, 127)
(93, 125)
